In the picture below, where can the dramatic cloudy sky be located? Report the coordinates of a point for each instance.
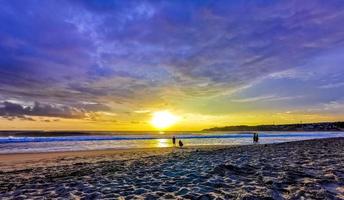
(108, 65)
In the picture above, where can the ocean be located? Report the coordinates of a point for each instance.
(129, 140)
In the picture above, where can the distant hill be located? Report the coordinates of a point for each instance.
(323, 126)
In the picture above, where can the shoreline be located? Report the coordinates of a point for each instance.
(23, 160)
(18, 161)
(309, 169)
(23, 145)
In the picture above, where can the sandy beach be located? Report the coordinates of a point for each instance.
(312, 169)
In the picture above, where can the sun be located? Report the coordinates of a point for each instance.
(163, 119)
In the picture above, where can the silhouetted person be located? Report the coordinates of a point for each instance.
(257, 137)
(174, 141)
(181, 144)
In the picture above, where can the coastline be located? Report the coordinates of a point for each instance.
(290, 170)
(14, 145)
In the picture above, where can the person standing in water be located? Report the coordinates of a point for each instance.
(174, 141)
(254, 137)
(181, 144)
(257, 138)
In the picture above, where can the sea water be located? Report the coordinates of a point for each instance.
(130, 140)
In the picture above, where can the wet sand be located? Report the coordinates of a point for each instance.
(311, 169)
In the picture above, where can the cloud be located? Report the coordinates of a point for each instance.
(142, 111)
(265, 98)
(94, 106)
(332, 85)
(128, 55)
(327, 108)
(10, 110)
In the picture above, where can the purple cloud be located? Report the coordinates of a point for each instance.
(153, 53)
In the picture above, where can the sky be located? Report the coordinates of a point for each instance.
(109, 65)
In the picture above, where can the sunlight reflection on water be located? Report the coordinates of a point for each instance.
(162, 143)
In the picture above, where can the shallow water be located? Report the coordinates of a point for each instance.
(14, 144)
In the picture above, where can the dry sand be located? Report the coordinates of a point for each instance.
(311, 169)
